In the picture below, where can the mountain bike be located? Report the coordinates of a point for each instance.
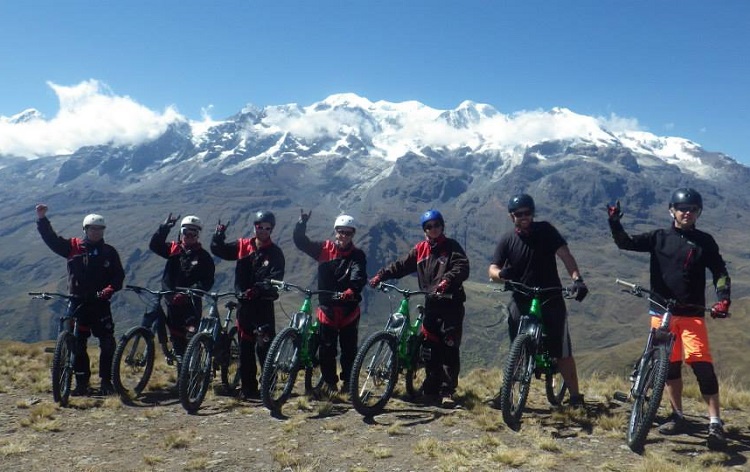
(650, 371)
(63, 359)
(293, 349)
(134, 357)
(397, 347)
(214, 347)
(529, 357)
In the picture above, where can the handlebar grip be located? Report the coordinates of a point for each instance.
(276, 282)
(625, 283)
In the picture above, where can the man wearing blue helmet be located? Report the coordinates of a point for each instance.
(441, 266)
(528, 254)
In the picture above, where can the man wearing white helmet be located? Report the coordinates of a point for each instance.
(95, 273)
(341, 268)
(188, 265)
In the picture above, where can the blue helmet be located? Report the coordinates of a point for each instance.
(430, 215)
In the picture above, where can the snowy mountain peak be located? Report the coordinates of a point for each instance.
(26, 116)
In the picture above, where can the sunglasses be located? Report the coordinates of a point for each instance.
(686, 208)
(263, 228)
(189, 232)
(429, 227)
(521, 214)
(344, 232)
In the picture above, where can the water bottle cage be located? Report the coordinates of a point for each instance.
(396, 324)
(300, 320)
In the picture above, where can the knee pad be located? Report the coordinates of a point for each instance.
(707, 381)
(675, 370)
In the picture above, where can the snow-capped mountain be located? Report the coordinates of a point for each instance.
(382, 162)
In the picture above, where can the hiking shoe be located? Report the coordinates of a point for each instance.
(447, 402)
(675, 424)
(576, 401)
(106, 388)
(250, 394)
(716, 438)
(81, 390)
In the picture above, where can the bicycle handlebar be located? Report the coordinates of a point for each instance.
(51, 295)
(523, 289)
(137, 289)
(215, 296)
(661, 301)
(384, 287)
(285, 286)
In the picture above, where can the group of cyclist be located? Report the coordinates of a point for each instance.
(527, 254)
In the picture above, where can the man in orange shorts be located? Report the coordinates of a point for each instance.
(680, 256)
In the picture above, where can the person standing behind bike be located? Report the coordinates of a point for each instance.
(680, 256)
(441, 266)
(341, 268)
(95, 273)
(258, 261)
(188, 265)
(527, 254)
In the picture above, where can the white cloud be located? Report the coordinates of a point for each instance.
(90, 114)
(619, 124)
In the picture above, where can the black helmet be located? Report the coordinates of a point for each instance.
(265, 217)
(522, 200)
(688, 196)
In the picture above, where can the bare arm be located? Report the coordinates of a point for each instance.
(569, 261)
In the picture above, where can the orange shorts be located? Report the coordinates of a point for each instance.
(691, 338)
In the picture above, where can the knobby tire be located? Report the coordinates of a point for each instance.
(62, 367)
(230, 367)
(133, 362)
(280, 369)
(374, 373)
(651, 378)
(196, 371)
(555, 386)
(517, 379)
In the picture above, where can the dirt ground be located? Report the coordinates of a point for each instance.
(98, 433)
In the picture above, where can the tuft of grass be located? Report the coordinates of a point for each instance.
(379, 451)
(197, 463)
(9, 448)
(152, 460)
(179, 439)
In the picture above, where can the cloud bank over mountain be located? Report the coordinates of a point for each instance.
(90, 113)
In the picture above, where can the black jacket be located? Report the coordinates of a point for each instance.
(186, 267)
(254, 264)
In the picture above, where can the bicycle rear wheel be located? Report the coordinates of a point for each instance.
(555, 385)
(374, 373)
(133, 362)
(280, 369)
(517, 379)
(62, 367)
(649, 386)
(230, 367)
(416, 374)
(195, 375)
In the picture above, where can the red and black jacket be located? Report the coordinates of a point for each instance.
(186, 267)
(91, 267)
(338, 270)
(255, 264)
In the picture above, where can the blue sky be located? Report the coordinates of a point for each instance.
(676, 68)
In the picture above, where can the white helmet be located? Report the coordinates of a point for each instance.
(191, 221)
(344, 221)
(94, 220)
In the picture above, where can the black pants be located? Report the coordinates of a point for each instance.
(179, 318)
(346, 337)
(441, 349)
(94, 317)
(257, 325)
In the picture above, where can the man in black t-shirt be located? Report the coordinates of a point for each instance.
(527, 254)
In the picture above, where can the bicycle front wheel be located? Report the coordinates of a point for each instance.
(195, 374)
(517, 379)
(133, 362)
(555, 386)
(650, 380)
(230, 367)
(374, 373)
(62, 367)
(280, 369)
